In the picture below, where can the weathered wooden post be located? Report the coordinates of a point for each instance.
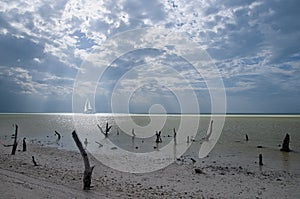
(88, 170)
(286, 142)
(24, 144)
(14, 148)
(260, 160)
(34, 162)
(174, 135)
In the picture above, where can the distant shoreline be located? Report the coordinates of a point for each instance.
(169, 114)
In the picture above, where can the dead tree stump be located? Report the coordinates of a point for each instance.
(24, 144)
(158, 137)
(107, 129)
(34, 162)
(260, 160)
(88, 170)
(14, 148)
(58, 137)
(286, 142)
(174, 135)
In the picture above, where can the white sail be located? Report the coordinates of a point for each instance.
(88, 107)
(209, 131)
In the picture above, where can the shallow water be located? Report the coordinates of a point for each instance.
(265, 131)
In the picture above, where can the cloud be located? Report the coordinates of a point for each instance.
(21, 81)
(14, 50)
(253, 43)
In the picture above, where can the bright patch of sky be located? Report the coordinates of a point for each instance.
(254, 44)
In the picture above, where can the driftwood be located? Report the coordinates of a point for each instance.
(107, 128)
(286, 142)
(199, 171)
(100, 145)
(14, 148)
(58, 136)
(8, 145)
(158, 137)
(88, 170)
(24, 144)
(193, 160)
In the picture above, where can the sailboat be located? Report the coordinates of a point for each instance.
(209, 131)
(88, 109)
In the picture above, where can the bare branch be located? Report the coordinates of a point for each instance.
(88, 170)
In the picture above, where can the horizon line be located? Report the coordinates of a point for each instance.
(191, 114)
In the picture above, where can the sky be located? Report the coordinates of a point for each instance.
(253, 44)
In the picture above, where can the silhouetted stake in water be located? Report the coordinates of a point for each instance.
(174, 135)
(260, 160)
(88, 170)
(286, 144)
(107, 128)
(247, 138)
(34, 162)
(158, 137)
(14, 148)
(24, 144)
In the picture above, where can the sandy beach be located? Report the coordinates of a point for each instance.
(59, 175)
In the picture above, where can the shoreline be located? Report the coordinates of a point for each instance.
(258, 115)
(59, 174)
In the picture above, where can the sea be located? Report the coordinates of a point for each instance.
(265, 133)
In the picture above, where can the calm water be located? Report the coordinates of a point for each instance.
(266, 131)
